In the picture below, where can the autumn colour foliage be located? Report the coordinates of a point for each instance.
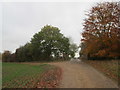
(101, 36)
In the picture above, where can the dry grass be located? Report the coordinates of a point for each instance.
(108, 67)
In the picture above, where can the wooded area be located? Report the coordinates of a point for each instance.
(101, 36)
(100, 39)
(46, 45)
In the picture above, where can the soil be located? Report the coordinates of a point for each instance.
(81, 75)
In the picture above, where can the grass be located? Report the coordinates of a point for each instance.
(108, 67)
(22, 75)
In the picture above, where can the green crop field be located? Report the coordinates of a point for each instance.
(22, 75)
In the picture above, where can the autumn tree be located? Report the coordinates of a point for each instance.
(101, 35)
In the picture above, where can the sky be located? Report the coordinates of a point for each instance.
(19, 21)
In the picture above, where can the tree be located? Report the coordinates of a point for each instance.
(24, 53)
(6, 56)
(12, 57)
(0, 56)
(49, 43)
(101, 35)
(73, 49)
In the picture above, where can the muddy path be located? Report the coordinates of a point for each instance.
(82, 76)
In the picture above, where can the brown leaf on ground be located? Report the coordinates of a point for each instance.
(50, 79)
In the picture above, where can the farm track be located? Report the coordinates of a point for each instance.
(82, 76)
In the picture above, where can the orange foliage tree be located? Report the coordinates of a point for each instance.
(101, 35)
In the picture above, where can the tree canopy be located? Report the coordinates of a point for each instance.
(48, 44)
(101, 36)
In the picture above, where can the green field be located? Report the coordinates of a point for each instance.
(22, 75)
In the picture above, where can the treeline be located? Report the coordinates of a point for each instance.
(0, 56)
(101, 36)
(46, 45)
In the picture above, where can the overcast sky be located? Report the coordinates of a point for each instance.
(19, 21)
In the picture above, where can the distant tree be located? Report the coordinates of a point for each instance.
(49, 42)
(73, 49)
(12, 57)
(0, 56)
(6, 56)
(101, 35)
(82, 52)
(24, 53)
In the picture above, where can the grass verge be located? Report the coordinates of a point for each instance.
(108, 67)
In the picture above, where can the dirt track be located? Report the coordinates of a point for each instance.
(82, 76)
